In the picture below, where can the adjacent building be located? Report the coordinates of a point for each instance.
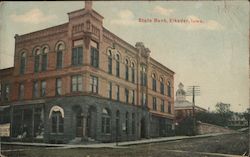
(184, 108)
(80, 80)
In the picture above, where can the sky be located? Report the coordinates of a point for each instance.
(210, 49)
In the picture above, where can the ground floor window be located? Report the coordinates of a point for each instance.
(105, 121)
(57, 122)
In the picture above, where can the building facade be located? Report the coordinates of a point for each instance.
(184, 108)
(79, 80)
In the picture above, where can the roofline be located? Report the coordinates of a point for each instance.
(162, 65)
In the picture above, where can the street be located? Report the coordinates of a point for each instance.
(222, 145)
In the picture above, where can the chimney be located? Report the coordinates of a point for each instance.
(88, 5)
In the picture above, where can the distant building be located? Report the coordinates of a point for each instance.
(184, 108)
(237, 121)
(80, 80)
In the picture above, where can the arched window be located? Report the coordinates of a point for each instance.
(94, 54)
(22, 63)
(154, 82)
(117, 123)
(127, 123)
(162, 85)
(126, 70)
(117, 58)
(45, 51)
(109, 62)
(59, 55)
(133, 72)
(106, 121)
(169, 89)
(57, 119)
(36, 60)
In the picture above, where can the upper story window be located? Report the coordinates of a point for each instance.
(110, 90)
(143, 75)
(36, 60)
(59, 54)
(23, 63)
(169, 107)
(154, 82)
(94, 54)
(45, 51)
(6, 93)
(117, 92)
(162, 106)
(144, 99)
(94, 84)
(126, 70)
(154, 104)
(126, 95)
(21, 91)
(58, 86)
(133, 72)
(133, 97)
(77, 53)
(0, 91)
(169, 88)
(76, 83)
(109, 62)
(117, 58)
(43, 88)
(162, 85)
(35, 89)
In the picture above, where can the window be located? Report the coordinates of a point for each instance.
(43, 88)
(133, 97)
(169, 107)
(105, 121)
(7, 92)
(117, 57)
(117, 123)
(21, 91)
(169, 89)
(143, 75)
(154, 104)
(37, 60)
(143, 99)
(110, 90)
(109, 62)
(133, 73)
(126, 95)
(94, 84)
(44, 58)
(94, 54)
(57, 122)
(127, 123)
(162, 86)
(77, 56)
(76, 83)
(59, 55)
(117, 93)
(58, 86)
(126, 70)
(35, 89)
(154, 82)
(23, 63)
(162, 106)
(133, 123)
(0, 91)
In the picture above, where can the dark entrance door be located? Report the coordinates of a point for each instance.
(143, 128)
(79, 126)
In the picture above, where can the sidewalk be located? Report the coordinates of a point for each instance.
(113, 145)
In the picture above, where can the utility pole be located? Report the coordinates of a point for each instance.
(193, 91)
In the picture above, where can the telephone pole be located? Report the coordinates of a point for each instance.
(193, 91)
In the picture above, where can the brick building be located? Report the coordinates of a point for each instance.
(79, 80)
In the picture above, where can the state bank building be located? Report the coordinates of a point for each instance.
(79, 81)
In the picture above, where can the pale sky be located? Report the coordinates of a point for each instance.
(212, 54)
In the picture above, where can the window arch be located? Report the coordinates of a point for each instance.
(154, 81)
(106, 116)
(126, 69)
(44, 62)
(60, 47)
(117, 58)
(109, 61)
(57, 119)
(169, 88)
(36, 54)
(23, 63)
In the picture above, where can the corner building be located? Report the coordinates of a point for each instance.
(79, 81)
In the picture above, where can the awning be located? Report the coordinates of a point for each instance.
(4, 107)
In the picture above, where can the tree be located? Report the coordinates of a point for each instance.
(246, 115)
(222, 107)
